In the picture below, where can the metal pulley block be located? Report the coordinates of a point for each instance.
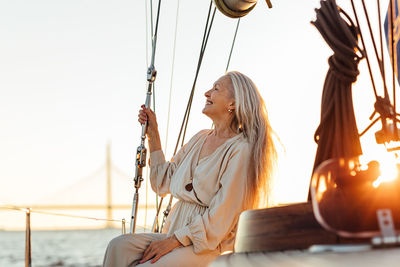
(237, 8)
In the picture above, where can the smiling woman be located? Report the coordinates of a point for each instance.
(215, 176)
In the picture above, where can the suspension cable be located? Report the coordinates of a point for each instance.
(233, 43)
(172, 77)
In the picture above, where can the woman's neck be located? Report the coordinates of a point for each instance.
(223, 129)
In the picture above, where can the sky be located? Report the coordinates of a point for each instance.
(73, 76)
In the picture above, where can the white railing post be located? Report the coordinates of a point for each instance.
(123, 227)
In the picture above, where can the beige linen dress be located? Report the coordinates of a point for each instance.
(210, 194)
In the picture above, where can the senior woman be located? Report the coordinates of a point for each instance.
(215, 176)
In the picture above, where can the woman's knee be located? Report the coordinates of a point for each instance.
(119, 241)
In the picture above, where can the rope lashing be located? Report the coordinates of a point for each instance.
(337, 134)
(341, 71)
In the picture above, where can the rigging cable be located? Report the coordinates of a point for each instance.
(382, 104)
(233, 43)
(147, 64)
(375, 49)
(172, 77)
(365, 54)
(152, 30)
(141, 151)
(382, 62)
(394, 67)
(155, 227)
(185, 120)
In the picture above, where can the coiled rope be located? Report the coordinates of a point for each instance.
(337, 135)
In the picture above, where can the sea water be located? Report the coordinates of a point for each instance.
(56, 248)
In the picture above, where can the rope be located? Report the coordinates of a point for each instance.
(172, 78)
(233, 43)
(337, 134)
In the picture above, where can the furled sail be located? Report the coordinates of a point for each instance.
(392, 23)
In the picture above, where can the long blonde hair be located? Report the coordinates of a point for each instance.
(252, 119)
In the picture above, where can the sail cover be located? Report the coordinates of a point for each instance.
(388, 33)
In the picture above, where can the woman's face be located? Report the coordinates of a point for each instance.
(219, 99)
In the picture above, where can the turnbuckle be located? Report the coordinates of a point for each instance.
(151, 74)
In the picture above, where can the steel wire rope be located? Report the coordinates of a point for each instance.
(365, 50)
(153, 47)
(152, 29)
(172, 77)
(374, 46)
(204, 43)
(151, 75)
(394, 67)
(382, 105)
(12, 207)
(381, 42)
(233, 43)
(147, 64)
(155, 226)
(206, 34)
(154, 39)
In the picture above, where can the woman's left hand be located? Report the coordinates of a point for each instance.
(157, 249)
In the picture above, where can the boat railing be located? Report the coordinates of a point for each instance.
(28, 211)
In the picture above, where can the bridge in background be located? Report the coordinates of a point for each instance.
(108, 206)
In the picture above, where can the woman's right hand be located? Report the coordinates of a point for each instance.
(147, 115)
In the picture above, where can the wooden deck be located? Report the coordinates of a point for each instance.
(385, 257)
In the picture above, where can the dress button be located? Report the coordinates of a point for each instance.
(189, 187)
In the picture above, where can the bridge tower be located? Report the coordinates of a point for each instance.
(108, 176)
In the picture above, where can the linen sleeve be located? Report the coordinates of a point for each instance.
(161, 170)
(208, 230)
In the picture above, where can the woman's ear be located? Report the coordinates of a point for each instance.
(232, 106)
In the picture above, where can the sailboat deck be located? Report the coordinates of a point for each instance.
(371, 257)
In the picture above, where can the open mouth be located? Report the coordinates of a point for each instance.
(208, 102)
